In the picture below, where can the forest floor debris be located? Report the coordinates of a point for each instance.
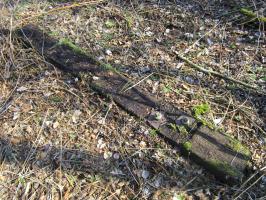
(59, 138)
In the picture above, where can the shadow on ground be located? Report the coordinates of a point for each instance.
(51, 158)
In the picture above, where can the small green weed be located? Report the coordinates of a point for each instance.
(110, 23)
(201, 109)
(179, 197)
(54, 33)
(187, 146)
(129, 20)
(21, 180)
(56, 99)
(153, 132)
(173, 126)
(183, 130)
(167, 89)
(71, 179)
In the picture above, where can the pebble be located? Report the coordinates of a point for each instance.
(95, 78)
(107, 155)
(116, 156)
(101, 144)
(22, 89)
(56, 124)
(189, 80)
(189, 35)
(16, 115)
(145, 69)
(149, 33)
(145, 174)
(158, 182)
(179, 65)
(146, 191)
(209, 41)
(108, 52)
(142, 144)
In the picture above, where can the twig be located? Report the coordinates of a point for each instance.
(197, 67)
(138, 82)
(238, 196)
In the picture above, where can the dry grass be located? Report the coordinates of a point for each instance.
(60, 140)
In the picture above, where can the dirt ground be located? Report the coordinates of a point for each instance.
(61, 140)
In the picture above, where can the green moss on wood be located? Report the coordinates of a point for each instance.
(70, 44)
(224, 167)
(78, 50)
(187, 146)
(183, 130)
(173, 126)
(108, 67)
(236, 145)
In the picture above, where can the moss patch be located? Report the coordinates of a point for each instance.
(78, 50)
(108, 67)
(70, 44)
(238, 147)
(224, 167)
(183, 130)
(187, 146)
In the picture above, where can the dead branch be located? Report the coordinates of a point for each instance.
(214, 73)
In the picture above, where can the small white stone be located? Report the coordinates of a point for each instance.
(145, 174)
(209, 41)
(107, 155)
(189, 35)
(146, 192)
(16, 115)
(142, 144)
(101, 144)
(116, 156)
(48, 123)
(218, 121)
(149, 33)
(157, 182)
(100, 58)
(146, 132)
(22, 89)
(179, 65)
(95, 78)
(48, 94)
(108, 52)
(76, 115)
(56, 124)
(101, 121)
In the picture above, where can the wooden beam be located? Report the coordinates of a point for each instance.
(211, 149)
